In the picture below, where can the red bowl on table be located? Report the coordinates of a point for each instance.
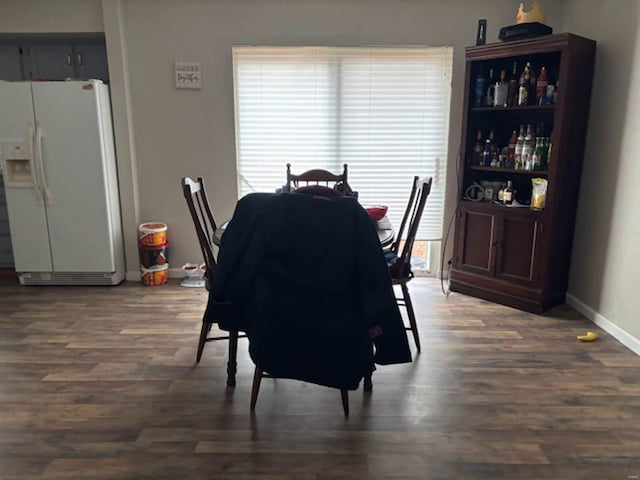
(377, 213)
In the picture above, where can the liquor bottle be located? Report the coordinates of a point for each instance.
(548, 97)
(512, 88)
(521, 78)
(493, 160)
(479, 88)
(490, 89)
(511, 145)
(508, 193)
(486, 154)
(549, 151)
(501, 91)
(518, 150)
(525, 87)
(541, 87)
(527, 148)
(536, 158)
(533, 80)
(492, 141)
(511, 150)
(545, 152)
(476, 156)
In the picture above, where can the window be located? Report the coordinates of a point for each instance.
(382, 110)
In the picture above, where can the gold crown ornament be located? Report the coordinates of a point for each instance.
(536, 14)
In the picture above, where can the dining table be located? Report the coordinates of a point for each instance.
(384, 229)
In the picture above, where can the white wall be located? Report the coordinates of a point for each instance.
(606, 254)
(45, 16)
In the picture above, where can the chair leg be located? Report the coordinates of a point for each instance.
(368, 383)
(411, 314)
(257, 378)
(345, 401)
(206, 326)
(232, 364)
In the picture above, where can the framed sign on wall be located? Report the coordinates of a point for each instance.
(188, 75)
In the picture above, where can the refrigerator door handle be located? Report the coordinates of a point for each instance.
(35, 178)
(40, 162)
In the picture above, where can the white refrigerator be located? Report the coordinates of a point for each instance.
(60, 179)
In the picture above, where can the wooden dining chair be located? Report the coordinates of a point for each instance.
(205, 225)
(400, 269)
(284, 311)
(259, 374)
(395, 245)
(318, 177)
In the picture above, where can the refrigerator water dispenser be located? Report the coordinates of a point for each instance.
(17, 164)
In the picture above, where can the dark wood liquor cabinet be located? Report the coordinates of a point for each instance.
(515, 254)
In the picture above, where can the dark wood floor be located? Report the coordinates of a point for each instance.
(100, 382)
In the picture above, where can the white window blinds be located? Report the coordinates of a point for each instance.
(382, 110)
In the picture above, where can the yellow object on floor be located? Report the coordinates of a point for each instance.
(587, 337)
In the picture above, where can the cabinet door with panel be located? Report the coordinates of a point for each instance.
(476, 238)
(10, 62)
(91, 61)
(48, 61)
(518, 241)
(500, 243)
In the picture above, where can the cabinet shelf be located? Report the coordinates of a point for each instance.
(492, 207)
(524, 109)
(507, 170)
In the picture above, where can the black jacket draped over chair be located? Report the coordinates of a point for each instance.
(306, 278)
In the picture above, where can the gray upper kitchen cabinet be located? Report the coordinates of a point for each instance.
(48, 61)
(10, 62)
(53, 57)
(91, 61)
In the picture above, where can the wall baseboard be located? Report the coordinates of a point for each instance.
(176, 273)
(607, 325)
(134, 276)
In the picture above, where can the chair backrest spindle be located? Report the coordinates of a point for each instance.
(415, 209)
(203, 220)
(414, 186)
